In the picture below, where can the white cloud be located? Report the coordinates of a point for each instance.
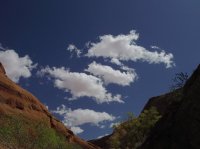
(78, 117)
(102, 126)
(155, 47)
(109, 75)
(122, 66)
(114, 124)
(80, 85)
(102, 136)
(124, 48)
(46, 106)
(72, 48)
(116, 61)
(15, 66)
(76, 130)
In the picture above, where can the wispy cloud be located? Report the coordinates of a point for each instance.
(155, 47)
(73, 49)
(16, 66)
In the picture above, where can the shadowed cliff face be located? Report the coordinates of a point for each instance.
(102, 142)
(179, 127)
(164, 102)
(15, 101)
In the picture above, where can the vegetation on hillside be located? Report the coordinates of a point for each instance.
(179, 80)
(132, 133)
(17, 133)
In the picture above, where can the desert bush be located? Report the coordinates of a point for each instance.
(133, 132)
(17, 133)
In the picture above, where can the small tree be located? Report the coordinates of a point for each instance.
(133, 132)
(179, 80)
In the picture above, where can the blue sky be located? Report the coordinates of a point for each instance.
(43, 30)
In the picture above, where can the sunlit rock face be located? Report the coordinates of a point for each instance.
(17, 102)
(2, 70)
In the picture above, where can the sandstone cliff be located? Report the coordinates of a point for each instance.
(16, 101)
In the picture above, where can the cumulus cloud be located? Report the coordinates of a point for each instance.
(73, 49)
(78, 117)
(123, 47)
(80, 85)
(110, 75)
(77, 130)
(16, 66)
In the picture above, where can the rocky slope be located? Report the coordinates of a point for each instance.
(16, 101)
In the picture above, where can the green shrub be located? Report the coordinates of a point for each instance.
(16, 132)
(133, 132)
